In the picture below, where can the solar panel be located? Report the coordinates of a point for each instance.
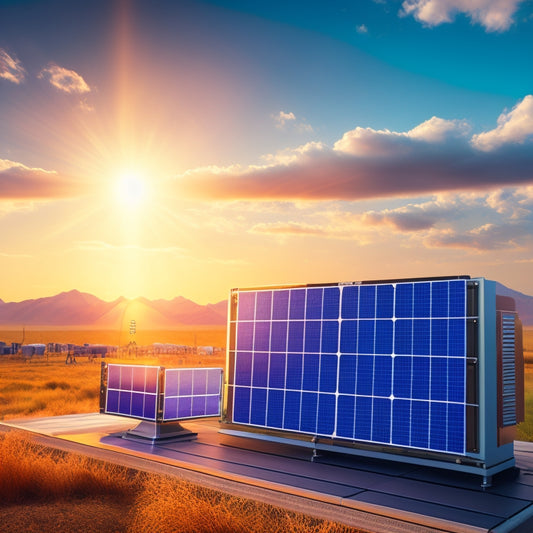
(192, 393)
(139, 391)
(132, 390)
(382, 363)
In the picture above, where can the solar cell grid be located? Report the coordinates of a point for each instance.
(191, 393)
(132, 391)
(382, 363)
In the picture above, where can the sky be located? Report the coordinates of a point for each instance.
(184, 148)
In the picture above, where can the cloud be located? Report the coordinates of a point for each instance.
(19, 182)
(11, 68)
(516, 126)
(361, 29)
(289, 228)
(412, 217)
(453, 221)
(283, 118)
(488, 237)
(493, 15)
(64, 79)
(436, 156)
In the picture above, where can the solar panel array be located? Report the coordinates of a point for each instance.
(379, 363)
(138, 391)
(192, 393)
(132, 390)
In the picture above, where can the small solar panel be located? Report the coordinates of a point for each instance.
(192, 393)
(380, 362)
(132, 390)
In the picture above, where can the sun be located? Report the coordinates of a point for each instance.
(131, 190)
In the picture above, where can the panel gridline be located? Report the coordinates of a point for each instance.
(192, 393)
(132, 391)
(382, 363)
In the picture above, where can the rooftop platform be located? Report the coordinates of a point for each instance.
(373, 495)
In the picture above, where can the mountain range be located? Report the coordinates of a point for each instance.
(75, 308)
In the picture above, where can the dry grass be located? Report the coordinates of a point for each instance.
(31, 473)
(47, 490)
(190, 508)
(47, 388)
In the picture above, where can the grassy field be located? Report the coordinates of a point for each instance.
(45, 490)
(46, 386)
(48, 490)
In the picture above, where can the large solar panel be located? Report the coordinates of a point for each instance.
(192, 393)
(132, 390)
(382, 363)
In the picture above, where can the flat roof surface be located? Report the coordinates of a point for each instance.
(370, 494)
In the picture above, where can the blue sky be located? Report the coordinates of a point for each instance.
(272, 142)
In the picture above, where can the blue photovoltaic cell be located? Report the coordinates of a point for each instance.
(348, 336)
(263, 310)
(350, 302)
(367, 301)
(330, 305)
(384, 301)
(313, 308)
(192, 393)
(280, 309)
(383, 363)
(404, 300)
(297, 304)
(132, 391)
(345, 423)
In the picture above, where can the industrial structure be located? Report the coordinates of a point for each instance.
(425, 371)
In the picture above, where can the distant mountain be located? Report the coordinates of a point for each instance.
(75, 308)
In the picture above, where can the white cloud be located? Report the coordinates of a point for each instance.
(283, 119)
(438, 130)
(516, 126)
(361, 29)
(493, 15)
(64, 79)
(367, 142)
(11, 68)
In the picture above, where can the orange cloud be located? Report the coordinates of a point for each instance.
(19, 182)
(64, 79)
(11, 68)
(436, 156)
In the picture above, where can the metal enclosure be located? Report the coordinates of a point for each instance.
(427, 371)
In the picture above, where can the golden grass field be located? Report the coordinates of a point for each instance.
(45, 490)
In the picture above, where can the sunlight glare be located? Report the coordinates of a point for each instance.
(131, 190)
